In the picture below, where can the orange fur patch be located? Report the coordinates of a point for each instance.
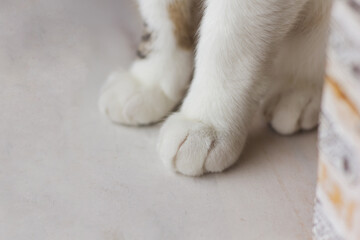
(186, 16)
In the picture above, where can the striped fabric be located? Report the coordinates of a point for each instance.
(337, 207)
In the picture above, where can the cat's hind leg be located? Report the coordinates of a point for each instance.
(293, 102)
(158, 79)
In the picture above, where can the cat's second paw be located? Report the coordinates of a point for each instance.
(126, 100)
(294, 110)
(193, 148)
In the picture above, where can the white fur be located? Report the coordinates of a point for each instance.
(155, 85)
(249, 52)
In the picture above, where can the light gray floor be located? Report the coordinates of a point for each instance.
(67, 173)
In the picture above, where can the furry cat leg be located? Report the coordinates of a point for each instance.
(238, 42)
(293, 102)
(157, 80)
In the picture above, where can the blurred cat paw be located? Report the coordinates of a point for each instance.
(126, 100)
(294, 110)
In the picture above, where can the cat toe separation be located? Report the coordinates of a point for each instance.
(193, 148)
(295, 111)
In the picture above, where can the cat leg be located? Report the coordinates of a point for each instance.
(298, 73)
(158, 79)
(237, 42)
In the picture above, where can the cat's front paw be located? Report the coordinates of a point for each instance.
(193, 148)
(294, 110)
(127, 101)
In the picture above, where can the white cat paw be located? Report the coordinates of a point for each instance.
(293, 111)
(127, 101)
(193, 148)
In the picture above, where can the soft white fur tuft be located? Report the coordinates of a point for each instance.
(249, 52)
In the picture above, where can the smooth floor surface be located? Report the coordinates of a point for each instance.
(68, 173)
